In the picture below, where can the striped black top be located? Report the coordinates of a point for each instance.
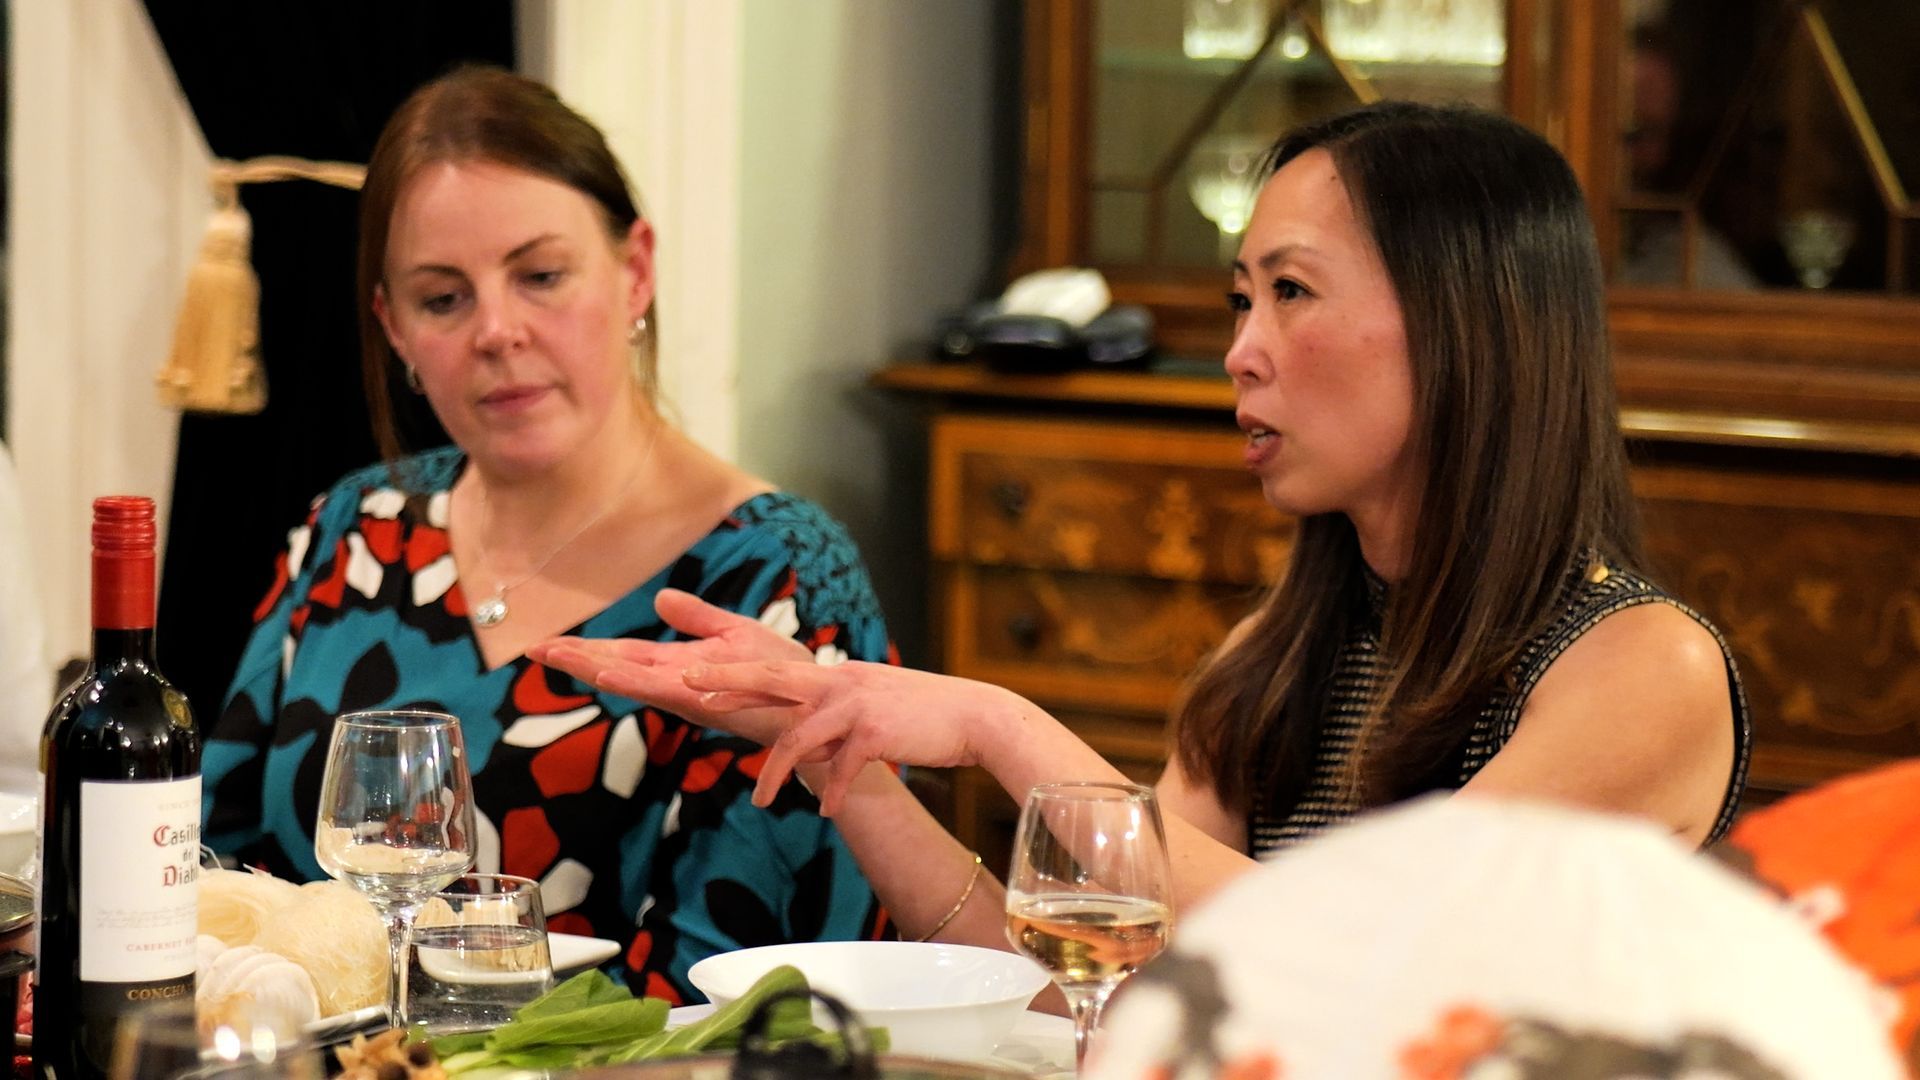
(1359, 671)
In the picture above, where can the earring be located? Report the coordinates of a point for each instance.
(639, 330)
(413, 379)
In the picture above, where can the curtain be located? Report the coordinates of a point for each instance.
(315, 79)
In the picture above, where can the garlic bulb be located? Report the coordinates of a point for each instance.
(206, 948)
(326, 927)
(256, 986)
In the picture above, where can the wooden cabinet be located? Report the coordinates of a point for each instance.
(1088, 565)
(1811, 567)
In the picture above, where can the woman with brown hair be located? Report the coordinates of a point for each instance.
(507, 275)
(1422, 374)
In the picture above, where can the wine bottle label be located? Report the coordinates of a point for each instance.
(139, 879)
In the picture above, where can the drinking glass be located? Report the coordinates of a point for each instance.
(165, 1041)
(1816, 242)
(1089, 893)
(1223, 180)
(478, 951)
(396, 819)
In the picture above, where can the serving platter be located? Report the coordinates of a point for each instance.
(573, 953)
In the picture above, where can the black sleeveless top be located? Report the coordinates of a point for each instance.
(1359, 672)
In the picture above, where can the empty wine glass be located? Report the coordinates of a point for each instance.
(167, 1041)
(1223, 180)
(396, 819)
(1816, 242)
(1089, 894)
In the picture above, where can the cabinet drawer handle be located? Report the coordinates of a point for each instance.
(1024, 631)
(1011, 497)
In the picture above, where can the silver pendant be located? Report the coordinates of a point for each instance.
(492, 611)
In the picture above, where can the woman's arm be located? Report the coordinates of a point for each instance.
(1198, 804)
(1635, 717)
(856, 713)
(917, 869)
(840, 724)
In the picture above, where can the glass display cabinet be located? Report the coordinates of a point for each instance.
(1751, 164)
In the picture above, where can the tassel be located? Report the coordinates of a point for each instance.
(215, 362)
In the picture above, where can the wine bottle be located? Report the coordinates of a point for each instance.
(120, 820)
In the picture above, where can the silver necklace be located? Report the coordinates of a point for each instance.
(492, 610)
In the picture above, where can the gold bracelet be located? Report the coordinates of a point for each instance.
(965, 894)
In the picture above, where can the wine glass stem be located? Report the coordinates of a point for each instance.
(1085, 1002)
(399, 924)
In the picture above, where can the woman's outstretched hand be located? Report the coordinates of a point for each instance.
(649, 671)
(742, 677)
(851, 714)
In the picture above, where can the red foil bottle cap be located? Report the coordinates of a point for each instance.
(123, 543)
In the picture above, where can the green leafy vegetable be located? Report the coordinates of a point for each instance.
(587, 988)
(729, 1019)
(592, 1020)
(447, 1046)
(583, 1027)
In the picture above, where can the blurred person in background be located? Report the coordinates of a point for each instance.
(1654, 242)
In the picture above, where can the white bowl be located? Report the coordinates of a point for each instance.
(17, 823)
(935, 1000)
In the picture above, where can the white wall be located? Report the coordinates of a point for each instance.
(819, 175)
(107, 199)
(864, 215)
(662, 79)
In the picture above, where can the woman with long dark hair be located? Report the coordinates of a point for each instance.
(1422, 373)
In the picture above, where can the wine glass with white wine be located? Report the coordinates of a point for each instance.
(396, 818)
(1089, 894)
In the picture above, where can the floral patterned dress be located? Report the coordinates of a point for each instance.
(637, 823)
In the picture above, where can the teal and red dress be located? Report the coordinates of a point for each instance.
(637, 823)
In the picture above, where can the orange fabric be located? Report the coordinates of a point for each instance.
(424, 545)
(1848, 854)
(705, 771)
(528, 845)
(1465, 1034)
(1254, 1066)
(570, 922)
(383, 539)
(533, 693)
(571, 763)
